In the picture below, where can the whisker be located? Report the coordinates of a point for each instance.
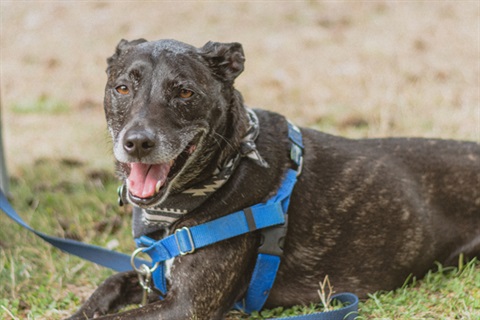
(223, 138)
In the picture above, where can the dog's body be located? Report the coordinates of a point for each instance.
(367, 213)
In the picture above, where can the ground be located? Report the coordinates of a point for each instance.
(358, 69)
(353, 68)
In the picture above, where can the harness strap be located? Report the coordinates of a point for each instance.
(262, 281)
(268, 260)
(270, 252)
(187, 240)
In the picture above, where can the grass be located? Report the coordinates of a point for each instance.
(41, 106)
(448, 293)
(67, 198)
(38, 281)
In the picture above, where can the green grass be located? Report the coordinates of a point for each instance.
(43, 105)
(67, 198)
(448, 293)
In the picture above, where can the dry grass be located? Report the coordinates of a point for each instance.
(373, 68)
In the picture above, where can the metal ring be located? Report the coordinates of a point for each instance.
(132, 262)
(300, 167)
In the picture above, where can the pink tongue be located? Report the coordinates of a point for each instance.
(143, 178)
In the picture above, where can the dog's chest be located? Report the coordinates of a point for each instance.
(168, 268)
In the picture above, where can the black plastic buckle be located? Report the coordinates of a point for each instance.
(273, 239)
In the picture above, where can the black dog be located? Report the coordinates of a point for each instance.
(367, 213)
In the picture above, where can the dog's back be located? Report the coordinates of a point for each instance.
(372, 209)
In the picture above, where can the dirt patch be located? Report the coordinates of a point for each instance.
(372, 68)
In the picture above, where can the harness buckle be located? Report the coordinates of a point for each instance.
(273, 239)
(188, 237)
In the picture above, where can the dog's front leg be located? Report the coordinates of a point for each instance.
(203, 285)
(114, 293)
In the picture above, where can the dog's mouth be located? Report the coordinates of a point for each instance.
(147, 183)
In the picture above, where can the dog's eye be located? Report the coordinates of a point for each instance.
(122, 89)
(185, 94)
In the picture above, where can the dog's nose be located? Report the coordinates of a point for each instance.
(138, 143)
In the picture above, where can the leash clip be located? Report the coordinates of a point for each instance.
(144, 277)
(144, 273)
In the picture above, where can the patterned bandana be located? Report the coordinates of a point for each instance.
(150, 220)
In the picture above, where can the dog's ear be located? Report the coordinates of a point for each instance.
(225, 59)
(122, 47)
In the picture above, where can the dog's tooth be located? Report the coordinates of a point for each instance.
(171, 162)
(158, 186)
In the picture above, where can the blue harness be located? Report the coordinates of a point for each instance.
(270, 218)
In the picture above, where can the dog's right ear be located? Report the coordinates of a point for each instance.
(225, 59)
(122, 47)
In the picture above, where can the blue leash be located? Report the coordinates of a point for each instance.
(348, 312)
(111, 259)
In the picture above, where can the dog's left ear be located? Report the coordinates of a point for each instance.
(225, 59)
(122, 46)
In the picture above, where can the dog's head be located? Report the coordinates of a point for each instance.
(170, 110)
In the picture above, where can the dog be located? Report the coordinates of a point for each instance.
(368, 213)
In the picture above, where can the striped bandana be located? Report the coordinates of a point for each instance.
(146, 221)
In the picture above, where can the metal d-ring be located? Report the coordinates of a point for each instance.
(142, 269)
(144, 275)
